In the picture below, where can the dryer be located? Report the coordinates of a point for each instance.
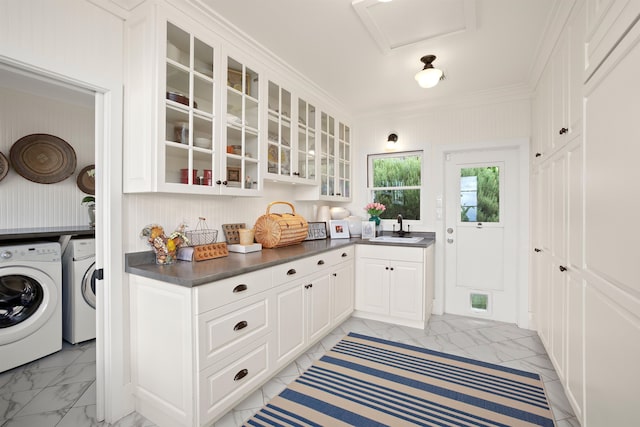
(30, 303)
(79, 291)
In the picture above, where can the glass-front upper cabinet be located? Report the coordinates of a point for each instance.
(189, 110)
(343, 161)
(279, 135)
(327, 155)
(241, 159)
(306, 157)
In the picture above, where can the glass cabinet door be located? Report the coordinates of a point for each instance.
(327, 155)
(189, 110)
(306, 141)
(279, 155)
(242, 127)
(344, 161)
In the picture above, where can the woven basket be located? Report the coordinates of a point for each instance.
(202, 235)
(276, 230)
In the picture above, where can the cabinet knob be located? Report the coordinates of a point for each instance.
(391, 268)
(538, 154)
(563, 131)
(308, 286)
(240, 288)
(334, 274)
(224, 182)
(344, 255)
(218, 182)
(537, 250)
(321, 262)
(562, 268)
(296, 173)
(386, 268)
(241, 374)
(240, 325)
(291, 272)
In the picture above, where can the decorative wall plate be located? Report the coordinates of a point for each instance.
(87, 179)
(4, 166)
(43, 158)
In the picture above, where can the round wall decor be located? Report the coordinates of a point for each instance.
(4, 166)
(87, 179)
(43, 158)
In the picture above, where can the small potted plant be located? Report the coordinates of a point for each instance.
(90, 203)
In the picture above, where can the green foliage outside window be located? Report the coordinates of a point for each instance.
(488, 195)
(396, 184)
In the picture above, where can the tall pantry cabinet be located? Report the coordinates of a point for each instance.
(585, 262)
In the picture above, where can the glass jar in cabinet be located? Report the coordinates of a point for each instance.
(189, 111)
(242, 130)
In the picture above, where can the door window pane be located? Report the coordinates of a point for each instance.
(480, 194)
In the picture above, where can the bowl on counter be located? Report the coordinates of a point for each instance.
(339, 213)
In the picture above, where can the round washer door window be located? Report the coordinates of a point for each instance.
(28, 299)
(89, 286)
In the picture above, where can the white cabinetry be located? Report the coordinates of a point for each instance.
(394, 285)
(291, 137)
(335, 162)
(315, 294)
(241, 161)
(558, 99)
(176, 140)
(197, 352)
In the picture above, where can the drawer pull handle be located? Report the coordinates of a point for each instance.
(308, 286)
(291, 272)
(344, 254)
(240, 325)
(239, 288)
(562, 268)
(321, 262)
(240, 375)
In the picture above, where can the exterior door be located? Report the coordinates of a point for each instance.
(481, 262)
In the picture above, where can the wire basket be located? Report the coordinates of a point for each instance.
(202, 235)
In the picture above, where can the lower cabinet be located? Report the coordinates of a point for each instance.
(394, 285)
(197, 352)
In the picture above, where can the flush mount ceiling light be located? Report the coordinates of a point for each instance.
(428, 76)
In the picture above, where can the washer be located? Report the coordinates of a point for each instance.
(30, 303)
(79, 291)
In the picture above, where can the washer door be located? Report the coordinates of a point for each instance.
(28, 299)
(89, 286)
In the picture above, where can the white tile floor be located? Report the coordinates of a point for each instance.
(59, 390)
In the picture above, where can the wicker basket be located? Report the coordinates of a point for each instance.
(202, 235)
(277, 230)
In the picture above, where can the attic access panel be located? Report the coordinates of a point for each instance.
(405, 22)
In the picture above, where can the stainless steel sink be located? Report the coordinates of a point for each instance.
(396, 239)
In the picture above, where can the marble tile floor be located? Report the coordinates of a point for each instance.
(59, 390)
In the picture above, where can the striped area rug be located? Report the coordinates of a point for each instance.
(365, 381)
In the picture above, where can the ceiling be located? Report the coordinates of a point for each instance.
(366, 53)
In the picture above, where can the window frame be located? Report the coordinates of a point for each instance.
(421, 188)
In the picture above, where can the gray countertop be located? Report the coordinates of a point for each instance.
(45, 232)
(190, 274)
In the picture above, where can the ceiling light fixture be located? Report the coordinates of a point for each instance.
(391, 140)
(428, 76)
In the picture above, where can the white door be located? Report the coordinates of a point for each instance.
(481, 262)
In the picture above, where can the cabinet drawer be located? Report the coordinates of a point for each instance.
(293, 270)
(220, 386)
(340, 255)
(392, 253)
(223, 331)
(223, 292)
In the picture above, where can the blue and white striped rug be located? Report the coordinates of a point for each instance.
(365, 381)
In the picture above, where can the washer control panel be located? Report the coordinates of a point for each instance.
(35, 252)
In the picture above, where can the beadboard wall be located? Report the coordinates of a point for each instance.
(468, 122)
(26, 204)
(169, 210)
